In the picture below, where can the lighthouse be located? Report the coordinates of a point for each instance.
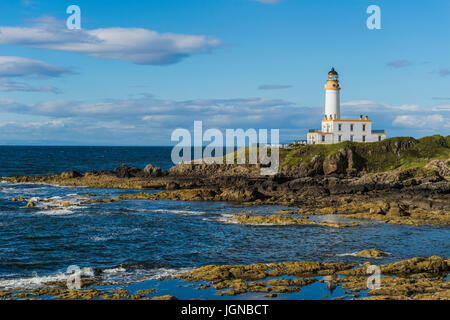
(336, 130)
(332, 96)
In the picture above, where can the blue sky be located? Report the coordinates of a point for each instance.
(140, 69)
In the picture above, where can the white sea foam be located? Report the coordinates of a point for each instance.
(121, 275)
(98, 239)
(114, 270)
(354, 254)
(179, 211)
(38, 281)
(227, 217)
(56, 212)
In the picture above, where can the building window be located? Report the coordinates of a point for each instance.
(351, 138)
(379, 138)
(364, 138)
(351, 127)
(340, 138)
(340, 127)
(323, 138)
(364, 127)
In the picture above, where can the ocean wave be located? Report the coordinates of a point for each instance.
(98, 239)
(190, 212)
(354, 254)
(227, 217)
(56, 212)
(122, 275)
(38, 281)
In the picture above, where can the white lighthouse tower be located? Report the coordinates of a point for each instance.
(336, 130)
(332, 96)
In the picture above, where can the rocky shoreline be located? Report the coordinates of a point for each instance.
(413, 279)
(341, 183)
(410, 196)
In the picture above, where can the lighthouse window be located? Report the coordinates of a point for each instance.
(351, 127)
(340, 138)
(364, 138)
(323, 138)
(351, 138)
(364, 127)
(340, 127)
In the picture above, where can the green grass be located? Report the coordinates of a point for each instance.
(390, 154)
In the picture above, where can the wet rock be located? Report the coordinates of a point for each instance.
(166, 297)
(371, 253)
(398, 210)
(285, 220)
(30, 204)
(71, 174)
(78, 294)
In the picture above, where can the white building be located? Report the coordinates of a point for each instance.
(334, 129)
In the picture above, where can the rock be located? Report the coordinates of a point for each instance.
(371, 253)
(344, 161)
(397, 210)
(441, 166)
(125, 171)
(30, 204)
(172, 186)
(336, 163)
(285, 220)
(166, 297)
(152, 171)
(66, 204)
(376, 210)
(71, 174)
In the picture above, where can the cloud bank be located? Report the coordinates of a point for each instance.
(137, 45)
(148, 120)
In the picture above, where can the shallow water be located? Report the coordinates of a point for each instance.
(144, 239)
(141, 240)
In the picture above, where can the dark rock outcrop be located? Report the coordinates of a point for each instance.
(125, 171)
(70, 174)
(152, 171)
(345, 161)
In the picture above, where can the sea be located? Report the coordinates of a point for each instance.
(143, 243)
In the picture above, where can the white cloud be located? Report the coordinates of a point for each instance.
(20, 67)
(138, 45)
(149, 120)
(372, 106)
(419, 121)
(7, 85)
